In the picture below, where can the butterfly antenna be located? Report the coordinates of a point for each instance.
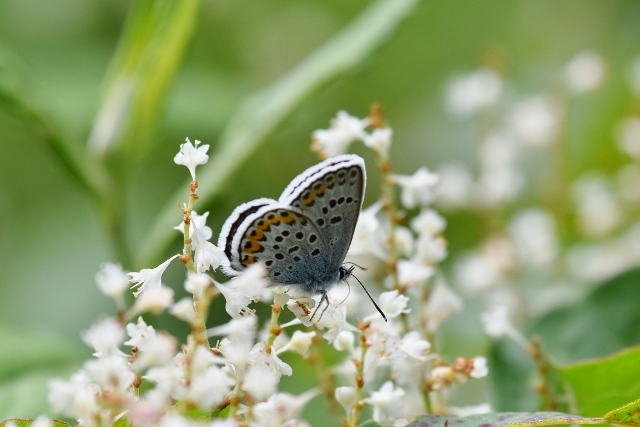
(348, 292)
(369, 295)
(353, 263)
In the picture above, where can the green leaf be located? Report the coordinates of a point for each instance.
(511, 374)
(629, 414)
(262, 112)
(606, 321)
(504, 419)
(149, 54)
(26, 423)
(601, 384)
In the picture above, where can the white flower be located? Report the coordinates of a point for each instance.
(200, 222)
(77, 398)
(379, 141)
(344, 130)
(259, 355)
(104, 336)
(240, 334)
(417, 189)
(428, 222)
(241, 329)
(496, 322)
(628, 136)
(252, 282)
(403, 241)
(207, 389)
(261, 382)
(299, 343)
(454, 186)
(368, 237)
(302, 308)
(197, 283)
(431, 249)
(149, 277)
(334, 320)
(479, 367)
(192, 156)
(387, 403)
(237, 304)
(598, 210)
(264, 372)
(346, 396)
(207, 255)
(533, 232)
(112, 373)
(443, 303)
(281, 409)
(584, 72)
(112, 280)
(412, 273)
(153, 348)
(344, 341)
(476, 273)
(467, 94)
(535, 121)
(413, 346)
(392, 304)
(154, 300)
(184, 310)
(500, 180)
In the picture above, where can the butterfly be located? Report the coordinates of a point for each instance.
(303, 237)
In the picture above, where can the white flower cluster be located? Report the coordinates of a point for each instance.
(404, 256)
(139, 374)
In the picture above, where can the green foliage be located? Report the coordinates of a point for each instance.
(504, 419)
(26, 423)
(601, 384)
(605, 321)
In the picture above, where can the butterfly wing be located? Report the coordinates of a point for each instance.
(284, 239)
(330, 194)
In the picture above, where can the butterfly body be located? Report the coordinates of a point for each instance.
(303, 237)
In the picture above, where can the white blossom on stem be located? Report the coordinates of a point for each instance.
(584, 72)
(387, 403)
(112, 281)
(104, 336)
(467, 94)
(149, 277)
(207, 255)
(417, 189)
(200, 222)
(379, 141)
(154, 300)
(191, 156)
(344, 130)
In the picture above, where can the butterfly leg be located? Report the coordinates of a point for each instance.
(322, 299)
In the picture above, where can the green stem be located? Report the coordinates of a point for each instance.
(274, 328)
(358, 405)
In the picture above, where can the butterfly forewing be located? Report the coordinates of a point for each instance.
(330, 195)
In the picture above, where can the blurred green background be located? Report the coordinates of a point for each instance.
(59, 60)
